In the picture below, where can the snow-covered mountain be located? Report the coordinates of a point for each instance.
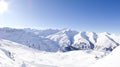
(17, 55)
(61, 40)
(65, 38)
(45, 48)
(29, 38)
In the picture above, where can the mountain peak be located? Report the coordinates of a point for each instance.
(66, 30)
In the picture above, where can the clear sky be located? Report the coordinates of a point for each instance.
(82, 15)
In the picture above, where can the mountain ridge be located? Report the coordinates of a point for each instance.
(61, 40)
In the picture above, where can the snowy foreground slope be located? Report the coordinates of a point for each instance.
(111, 60)
(61, 40)
(17, 55)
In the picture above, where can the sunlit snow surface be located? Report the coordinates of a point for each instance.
(17, 55)
(111, 60)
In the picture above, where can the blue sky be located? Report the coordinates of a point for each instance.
(82, 15)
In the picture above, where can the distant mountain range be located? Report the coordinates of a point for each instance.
(51, 40)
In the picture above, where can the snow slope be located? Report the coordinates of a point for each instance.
(64, 38)
(111, 60)
(16, 55)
